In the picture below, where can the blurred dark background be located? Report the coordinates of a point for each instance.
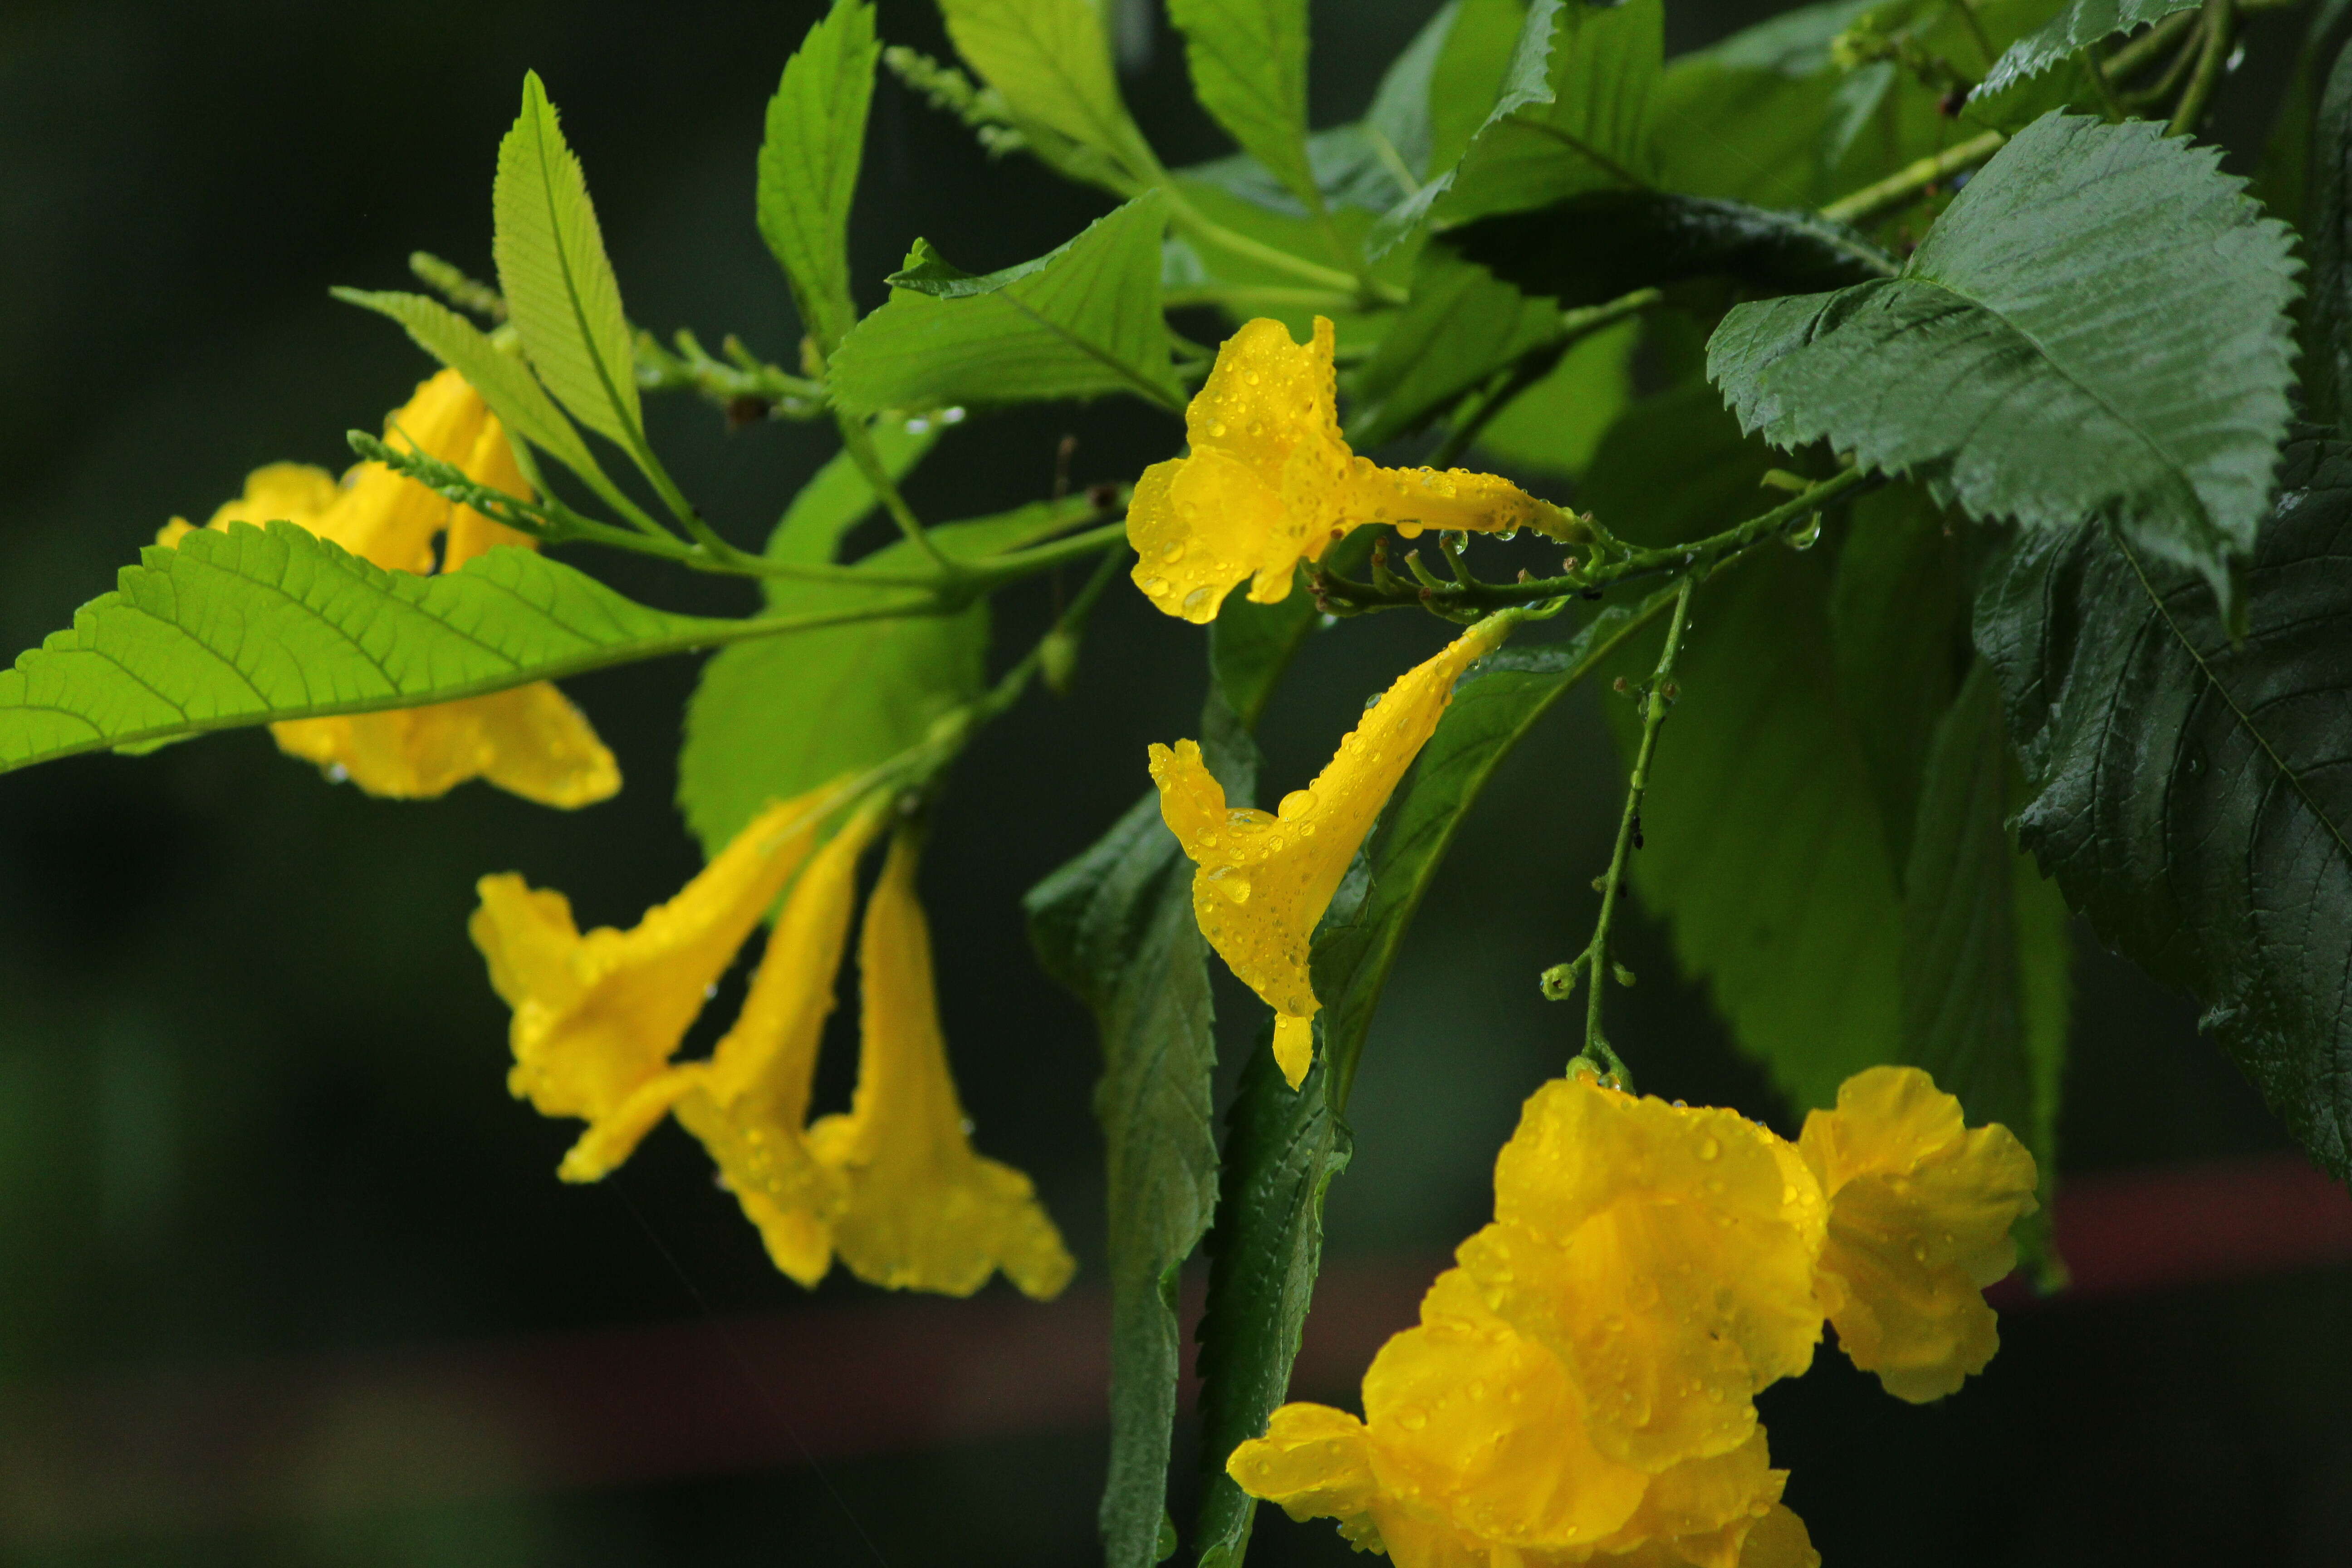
(251, 1109)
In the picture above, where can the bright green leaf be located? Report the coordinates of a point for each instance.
(2190, 793)
(2096, 325)
(1282, 1149)
(559, 284)
(841, 497)
(1050, 62)
(1078, 322)
(1249, 71)
(1116, 926)
(1467, 77)
(252, 626)
(809, 160)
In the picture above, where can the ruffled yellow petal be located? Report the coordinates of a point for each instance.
(1265, 879)
(1919, 1216)
(1270, 482)
(749, 1104)
(924, 1211)
(1665, 1253)
(1314, 1462)
(596, 1017)
(529, 741)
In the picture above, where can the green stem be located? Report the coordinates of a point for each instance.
(2136, 54)
(1366, 290)
(726, 384)
(1907, 183)
(2089, 60)
(862, 451)
(1595, 958)
(1270, 296)
(2220, 24)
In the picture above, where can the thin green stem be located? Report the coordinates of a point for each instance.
(2089, 60)
(730, 384)
(2135, 55)
(2220, 24)
(862, 451)
(1254, 296)
(1907, 183)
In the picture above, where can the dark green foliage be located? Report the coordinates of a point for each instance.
(2328, 354)
(2190, 793)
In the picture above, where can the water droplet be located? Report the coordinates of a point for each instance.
(1296, 804)
(1806, 534)
(1231, 883)
(710, 991)
(1217, 430)
(1173, 550)
(1919, 1251)
(969, 1126)
(1410, 1420)
(1155, 586)
(1195, 599)
(1708, 1147)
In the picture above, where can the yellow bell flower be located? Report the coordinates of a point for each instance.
(749, 1103)
(1270, 482)
(1265, 879)
(1919, 1214)
(597, 1017)
(924, 1211)
(529, 741)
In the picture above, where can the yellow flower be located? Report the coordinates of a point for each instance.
(597, 1017)
(1919, 1217)
(924, 1211)
(749, 1103)
(1271, 482)
(529, 741)
(1579, 1388)
(1263, 878)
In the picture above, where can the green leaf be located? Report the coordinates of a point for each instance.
(1461, 326)
(1249, 71)
(2096, 325)
(1656, 238)
(560, 289)
(1251, 645)
(1573, 117)
(504, 381)
(1985, 950)
(1493, 707)
(1899, 625)
(253, 625)
(1282, 1149)
(1554, 427)
(1466, 78)
(1049, 61)
(2190, 793)
(774, 718)
(1116, 926)
(2327, 358)
(840, 497)
(1078, 322)
(2077, 26)
(809, 160)
(1763, 845)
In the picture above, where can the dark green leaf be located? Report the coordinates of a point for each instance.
(1082, 320)
(2327, 360)
(771, 719)
(808, 164)
(1555, 426)
(1659, 237)
(2096, 325)
(1763, 845)
(2191, 793)
(1251, 645)
(1116, 926)
(2080, 25)
(560, 289)
(1282, 1149)
(1249, 71)
(1462, 326)
(1985, 952)
(253, 625)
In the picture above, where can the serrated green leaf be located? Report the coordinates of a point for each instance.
(1050, 62)
(253, 625)
(1461, 326)
(1985, 958)
(504, 381)
(1899, 631)
(560, 289)
(2078, 26)
(1282, 1149)
(1078, 322)
(774, 718)
(1763, 846)
(1658, 237)
(2190, 793)
(2096, 325)
(841, 497)
(809, 160)
(1573, 116)
(1248, 60)
(1116, 927)
(1467, 77)
(1554, 427)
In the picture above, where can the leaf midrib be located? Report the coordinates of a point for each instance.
(541, 149)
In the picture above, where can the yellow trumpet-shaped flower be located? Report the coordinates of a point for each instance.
(598, 1016)
(1919, 1214)
(529, 741)
(924, 1211)
(749, 1104)
(1270, 482)
(1265, 879)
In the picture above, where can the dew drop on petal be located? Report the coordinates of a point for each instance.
(1296, 804)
